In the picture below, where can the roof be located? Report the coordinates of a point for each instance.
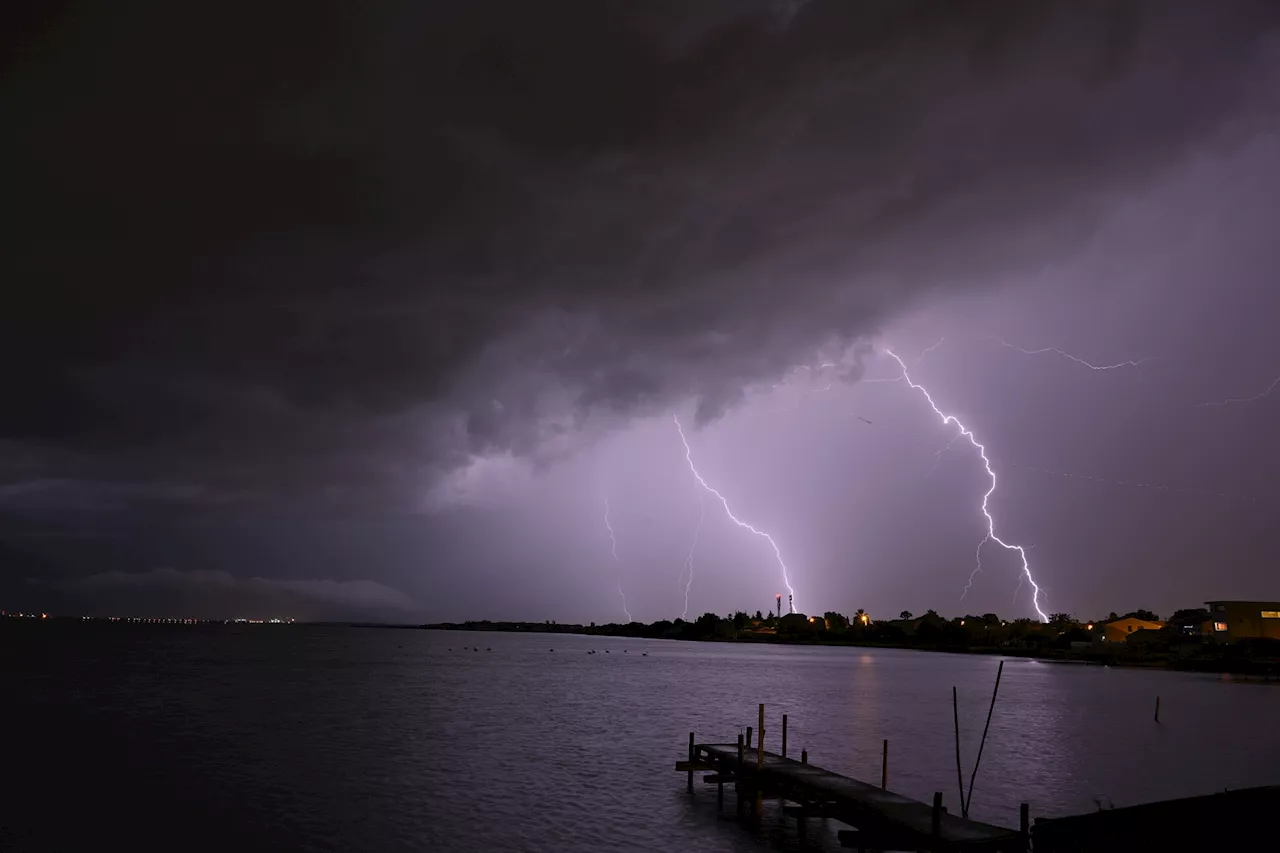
(1261, 604)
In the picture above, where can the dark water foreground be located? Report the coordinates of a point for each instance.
(288, 737)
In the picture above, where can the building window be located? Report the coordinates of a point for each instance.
(1219, 626)
(1271, 614)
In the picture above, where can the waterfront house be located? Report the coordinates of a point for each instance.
(1237, 620)
(1119, 630)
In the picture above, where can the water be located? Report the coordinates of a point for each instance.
(300, 738)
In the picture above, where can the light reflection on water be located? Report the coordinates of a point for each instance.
(350, 739)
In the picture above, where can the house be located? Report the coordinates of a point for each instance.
(1119, 630)
(1237, 620)
(1147, 638)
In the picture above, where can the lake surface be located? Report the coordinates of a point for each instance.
(299, 738)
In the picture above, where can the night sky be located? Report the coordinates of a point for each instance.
(348, 310)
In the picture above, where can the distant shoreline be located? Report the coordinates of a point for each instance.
(1220, 664)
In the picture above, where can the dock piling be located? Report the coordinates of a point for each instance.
(737, 773)
(804, 756)
(955, 715)
(1157, 709)
(784, 735)
(760, 764)
(692, 757)
(935, 826)
(748, 737)
(884, 766)
(1024, 820)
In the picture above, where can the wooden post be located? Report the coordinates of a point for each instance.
(935, 827)
(1157, 709)
(964, 806)
(1024, 824)
(884, 766)
(748, 737)
(689, 784)
(955, 714)
(737, 773)
(804, 756)
(760, 765)
(784, 735)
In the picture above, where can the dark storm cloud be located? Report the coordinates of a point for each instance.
(215, 594)
(337, 249)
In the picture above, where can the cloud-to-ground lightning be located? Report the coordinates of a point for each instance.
(1131, 363)
(684, 580)
(1275, 383)
(613, 546)
(688, 457)
(986, 497)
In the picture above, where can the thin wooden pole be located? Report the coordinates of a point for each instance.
(804, 756)
(689, 784)
(1157, 709)
(748, 737)
(760, 765)
(784, 735)
(935, 827)
(1024, 823)
(974, 775)
(955, 715)
(737, 773)
(884, 766)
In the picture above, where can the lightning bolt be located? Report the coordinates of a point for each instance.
(937, 455)
(986, 497)
(688, 561)
(929, 350)
(1274, 383)
(688, 456)
(613, 547)
(1076, 359)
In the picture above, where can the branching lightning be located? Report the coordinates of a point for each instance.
(928, 350)
(687, 581)
(1275, 383)
(613, 546)
(986, 497)
(1076, 359)
(688, 456)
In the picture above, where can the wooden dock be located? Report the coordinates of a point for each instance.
(879, 818)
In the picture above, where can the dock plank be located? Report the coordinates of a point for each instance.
(868, 807)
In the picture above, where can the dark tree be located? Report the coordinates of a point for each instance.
(759, 616)
(1189, 618)
(1062, 621)
(905, 615)
(1144, 615)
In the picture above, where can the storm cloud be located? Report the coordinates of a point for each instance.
(325, 251)
(323, 290)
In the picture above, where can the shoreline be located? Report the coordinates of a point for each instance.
(1221, 664)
